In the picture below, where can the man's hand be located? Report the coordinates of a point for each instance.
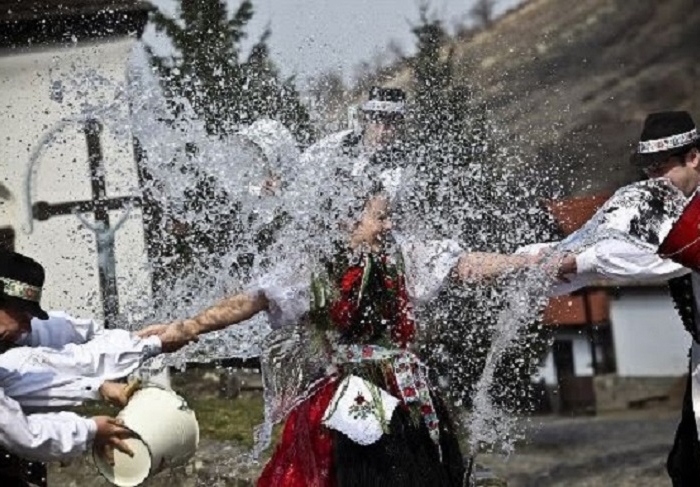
(172, 337)
(560, 265)
(152, 330)
(111, 434)
(567, 266)
(118, 394)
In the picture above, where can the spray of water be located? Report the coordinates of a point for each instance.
(252, 211)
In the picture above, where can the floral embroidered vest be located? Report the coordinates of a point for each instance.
(366, 303)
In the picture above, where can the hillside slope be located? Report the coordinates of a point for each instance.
(572, 80)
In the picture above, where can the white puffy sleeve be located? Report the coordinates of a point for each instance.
(43, 437)
(59, 330)
(40, 377)
(288, 294)
(428, 264)
(613, 260)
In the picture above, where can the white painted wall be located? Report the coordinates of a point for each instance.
(648, 335)
(62, 244)
(583, 360)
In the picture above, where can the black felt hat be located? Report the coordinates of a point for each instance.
(21, 282)
(665, 134)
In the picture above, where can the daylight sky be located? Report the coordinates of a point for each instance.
(311, 36)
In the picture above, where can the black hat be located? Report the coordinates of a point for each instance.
(389, 101)
(21, 280)
(665, 134)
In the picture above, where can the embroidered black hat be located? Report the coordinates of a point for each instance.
(385, 101)
(665, 134)
(21, 282)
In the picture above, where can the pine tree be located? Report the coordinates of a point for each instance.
(207, 76)
(207, 71)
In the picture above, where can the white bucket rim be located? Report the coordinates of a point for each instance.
(136, 436)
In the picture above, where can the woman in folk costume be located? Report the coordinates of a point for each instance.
(646, 231)
(358, 405)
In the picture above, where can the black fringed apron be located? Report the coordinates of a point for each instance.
(683, 462)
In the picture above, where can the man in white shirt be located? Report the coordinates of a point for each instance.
(48, 436)
(377, 141)
(668, 151)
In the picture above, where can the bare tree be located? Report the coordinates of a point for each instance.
(482, 12)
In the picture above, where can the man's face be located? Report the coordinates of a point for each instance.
(380, 130)
(13, 324)
(684, 172)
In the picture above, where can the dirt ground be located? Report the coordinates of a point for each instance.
(623, 450)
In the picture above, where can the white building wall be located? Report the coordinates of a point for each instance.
(583, 360)
(62, 244)
(648, 335)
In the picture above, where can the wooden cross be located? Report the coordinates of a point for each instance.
(100, 206)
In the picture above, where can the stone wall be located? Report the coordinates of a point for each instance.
(614, 393)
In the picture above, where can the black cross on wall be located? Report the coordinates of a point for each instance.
(100, 206)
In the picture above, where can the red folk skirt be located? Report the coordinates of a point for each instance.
(304, 456)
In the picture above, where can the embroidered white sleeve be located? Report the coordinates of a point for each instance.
(288, 295)
(428, 264)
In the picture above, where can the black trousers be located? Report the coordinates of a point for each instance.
(17, 472)
(683, 463)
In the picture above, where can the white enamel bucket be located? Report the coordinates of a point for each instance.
(167, 435)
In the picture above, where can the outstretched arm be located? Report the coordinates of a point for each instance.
(611, 260)
(229, 311)
(473, 266)
(39, 377)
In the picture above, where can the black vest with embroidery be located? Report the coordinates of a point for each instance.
(681, 289)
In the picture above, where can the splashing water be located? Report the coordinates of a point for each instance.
(207, 194)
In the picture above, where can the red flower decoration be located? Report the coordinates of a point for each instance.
(367, 352)
(426, 409)
(409, 392)
(350, 279)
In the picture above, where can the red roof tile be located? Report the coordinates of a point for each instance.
(570, 214)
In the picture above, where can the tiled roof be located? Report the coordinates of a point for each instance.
(41, 22)
(570, 214)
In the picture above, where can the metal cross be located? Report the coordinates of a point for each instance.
(100, 206)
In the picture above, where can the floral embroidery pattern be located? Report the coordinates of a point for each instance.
(410, 374)
(667, 143)
(371, 305)
(361, 408)
(20, 290)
